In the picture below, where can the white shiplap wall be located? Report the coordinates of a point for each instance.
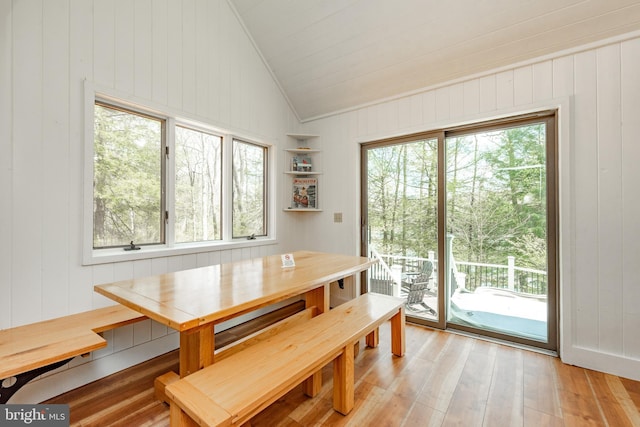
(598, 91)
(191, 56)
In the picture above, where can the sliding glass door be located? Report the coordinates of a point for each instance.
(401, 194)
(463, 223)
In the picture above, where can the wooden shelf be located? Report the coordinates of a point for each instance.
(301, 210)
(302, 173)
(302, 150)
(308, 156)
(302, 136)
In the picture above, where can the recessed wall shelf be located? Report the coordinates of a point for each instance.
(302, 169)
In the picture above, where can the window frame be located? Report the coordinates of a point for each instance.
(163, 167)
(265, 188)
(172, 118)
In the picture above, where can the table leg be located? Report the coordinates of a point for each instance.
(196, 349)
(318, 297)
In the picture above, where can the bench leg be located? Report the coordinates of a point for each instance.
(343, 381)
(179, 418)
(313, 384)
(373, 338)
(397, 333)
(161, 383)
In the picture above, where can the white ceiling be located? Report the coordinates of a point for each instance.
(333, 55)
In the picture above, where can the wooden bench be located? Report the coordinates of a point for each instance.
(232, 390)
(31, 350)
(233, 344)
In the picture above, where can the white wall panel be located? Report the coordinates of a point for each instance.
(542, 81)
(235, 71)
(429, 107)
(456, 103)
(160, 51)
(609, 199)
(124, 48)
(443, 103)
(562, 77)
(404, 113)
(6, 124)
(27, 193)
(471, 98)
(488, 94)
(504, 90)
(56, 164)
(630, 85)
(103, 41)
(214, 54)
(387, 116)
(585, 324)
(81, 66)
(523, 86)
(189, 42)
(226, 25)
(203, 60)
(175, 54)
(143, 48)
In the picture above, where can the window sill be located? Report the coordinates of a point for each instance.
(105, 256)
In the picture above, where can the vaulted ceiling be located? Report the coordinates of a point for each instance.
(334, 55)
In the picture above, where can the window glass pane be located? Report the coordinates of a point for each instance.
(127, 185)
(249, 183)
(497, 230)
(198, 182)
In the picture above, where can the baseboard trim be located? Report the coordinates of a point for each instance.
(613, 364)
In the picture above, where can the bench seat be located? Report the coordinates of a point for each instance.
(231, 391)
(33, 349)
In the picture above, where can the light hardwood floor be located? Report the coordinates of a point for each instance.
(445, 379)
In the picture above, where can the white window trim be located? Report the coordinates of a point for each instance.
(91, 256)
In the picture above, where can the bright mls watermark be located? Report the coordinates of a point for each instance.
(34, 415)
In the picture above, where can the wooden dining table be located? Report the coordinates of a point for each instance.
(193, 301)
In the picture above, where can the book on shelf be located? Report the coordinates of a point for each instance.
(305, 193)
(301, 164)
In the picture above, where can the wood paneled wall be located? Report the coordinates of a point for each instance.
(598, 91)
(190, 56)
(193, 57)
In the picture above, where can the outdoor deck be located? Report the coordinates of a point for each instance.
(518, 307)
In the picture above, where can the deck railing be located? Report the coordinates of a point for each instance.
(471, 275)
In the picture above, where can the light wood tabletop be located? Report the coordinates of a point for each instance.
(193, 301)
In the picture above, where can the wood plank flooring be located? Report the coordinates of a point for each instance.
(445, 379)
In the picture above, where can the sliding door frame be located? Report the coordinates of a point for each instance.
(440, 323)
(549, 117)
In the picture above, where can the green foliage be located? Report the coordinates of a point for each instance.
(127, 178)
(402, 198)
(496, 196)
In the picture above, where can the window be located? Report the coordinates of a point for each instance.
(249, 171)
(127, 196)
(161, 182)
(198, 185)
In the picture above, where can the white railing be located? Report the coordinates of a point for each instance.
(471, 275)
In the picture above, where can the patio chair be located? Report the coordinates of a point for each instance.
(410, 277)
(418, 288)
